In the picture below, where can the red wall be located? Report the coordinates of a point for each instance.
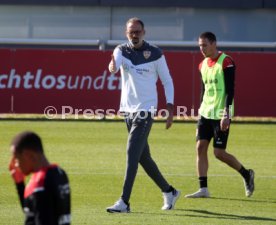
(32, 79)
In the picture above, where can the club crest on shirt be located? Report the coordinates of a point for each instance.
(125, 67)
(146, 54)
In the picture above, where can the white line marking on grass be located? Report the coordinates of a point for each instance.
(166, 174)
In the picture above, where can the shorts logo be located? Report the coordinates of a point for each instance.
(146, 54)
(219, 142)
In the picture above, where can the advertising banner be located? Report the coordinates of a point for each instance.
(35, 80)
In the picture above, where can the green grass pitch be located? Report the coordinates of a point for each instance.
(93, 154)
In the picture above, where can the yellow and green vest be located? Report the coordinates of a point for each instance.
(213, 102)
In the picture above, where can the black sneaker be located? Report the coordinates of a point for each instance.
(249, 184)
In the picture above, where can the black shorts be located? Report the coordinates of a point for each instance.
(208, 129)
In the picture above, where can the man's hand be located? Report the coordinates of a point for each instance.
(225, 121)
(15, 172)
(112, 65)
(224, 124)
(170, 115)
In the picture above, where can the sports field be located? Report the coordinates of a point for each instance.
(93, 154)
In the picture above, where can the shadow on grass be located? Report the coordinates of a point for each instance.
(208, 214)
(246, 200)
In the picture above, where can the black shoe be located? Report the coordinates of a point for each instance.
(249, 184)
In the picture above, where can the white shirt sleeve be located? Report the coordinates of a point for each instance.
(166, 79)
(117, 53)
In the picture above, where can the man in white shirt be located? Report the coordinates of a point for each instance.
(140, 65)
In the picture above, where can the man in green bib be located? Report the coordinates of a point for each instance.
(216, 110)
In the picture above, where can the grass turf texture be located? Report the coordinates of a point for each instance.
(93, 154)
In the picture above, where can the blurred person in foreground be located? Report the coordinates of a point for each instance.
(46, 198)
(216, 110)
(141, 64)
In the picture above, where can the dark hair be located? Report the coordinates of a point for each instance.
(208, 35)
(27, 140)
(135, 20)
